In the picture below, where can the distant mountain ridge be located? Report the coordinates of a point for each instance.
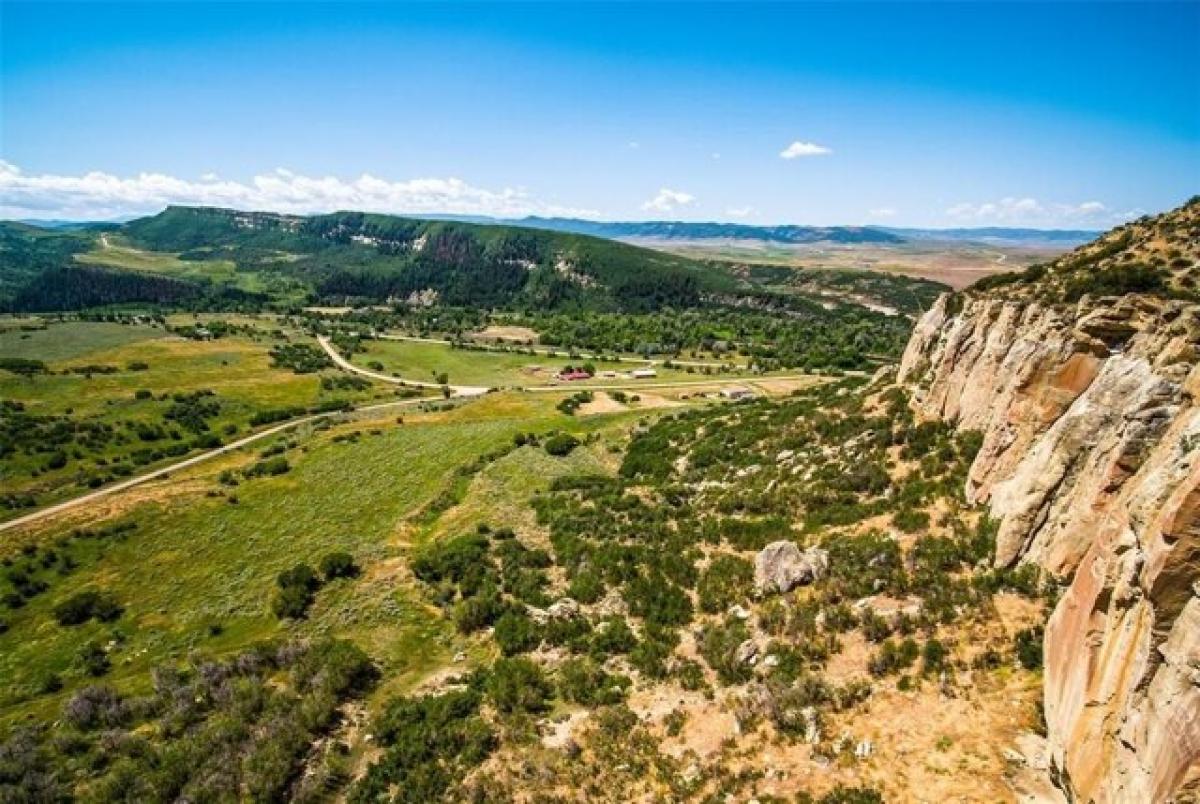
(794, 234)
(1001, 234)
(686, 230)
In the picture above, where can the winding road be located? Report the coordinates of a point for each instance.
(346, 365)
(456, 391)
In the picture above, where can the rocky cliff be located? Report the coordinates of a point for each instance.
(1091, 463)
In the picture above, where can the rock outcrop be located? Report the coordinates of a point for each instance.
(782, 566)
(1090, 460)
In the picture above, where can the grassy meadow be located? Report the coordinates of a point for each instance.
(114, 251)
(142, 369)
(196, 569)
(424, 361)
(70, 340)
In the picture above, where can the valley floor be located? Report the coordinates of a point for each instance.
(565, 597)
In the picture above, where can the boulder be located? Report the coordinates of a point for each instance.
(782, 566)
(747, 653)
(563, 609)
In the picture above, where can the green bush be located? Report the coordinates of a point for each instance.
(93, 659)
(338, 565)
(582, 681)
(561, 445)
(429, 744)
(296, 590)
(726, 580)
(718, 646)
(517, 685)
(87, 605)
(515, 633)
(1028, 646)
(268, 468)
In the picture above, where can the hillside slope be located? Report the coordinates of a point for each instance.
(379, 257)
(1091, 460)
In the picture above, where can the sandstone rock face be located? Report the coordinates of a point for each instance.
(782, 566)
(1091, 463)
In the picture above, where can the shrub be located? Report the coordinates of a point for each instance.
(561, 445)
(295, 594)
(584, 682)
(933, 656)
(83, 606)
(338, 565)
(451, 559)
(517, 685)
(429, 744)
(516, 633)
(269, 468)
(911, 521)
(96, 706)
(852, 795)
(893, 657)
(1116, 280)
(718, 646)
(613, 636)
(724, 582)
(94, 659)
(1028, 645)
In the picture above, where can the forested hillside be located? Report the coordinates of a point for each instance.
(27, 251)
(204, 258)
(359, 256)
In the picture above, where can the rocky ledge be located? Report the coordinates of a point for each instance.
(1091, 463)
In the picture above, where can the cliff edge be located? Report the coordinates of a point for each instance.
(1083, 377)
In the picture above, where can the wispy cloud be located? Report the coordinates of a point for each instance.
(1027, 211)
(668, 200)
(881, 212)
(798, 149)
(98, 195)
(739, 212)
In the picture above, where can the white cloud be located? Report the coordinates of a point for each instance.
(798, 149)
(98, 196)
(739, 212)
(1012, 211)
(667, 200)
(881, 212)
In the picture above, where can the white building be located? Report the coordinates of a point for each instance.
(737, 392)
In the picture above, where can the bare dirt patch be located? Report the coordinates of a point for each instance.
(656, 401)
(601, 403)
(786, 385)
(497, 332)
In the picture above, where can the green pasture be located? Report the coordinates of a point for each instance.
(236, 368)
(197, 572)
(418, 360)
(72, 340)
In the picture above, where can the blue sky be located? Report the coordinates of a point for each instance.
(1072, 115)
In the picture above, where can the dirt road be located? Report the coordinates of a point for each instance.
(346, 365)
(51, 510)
